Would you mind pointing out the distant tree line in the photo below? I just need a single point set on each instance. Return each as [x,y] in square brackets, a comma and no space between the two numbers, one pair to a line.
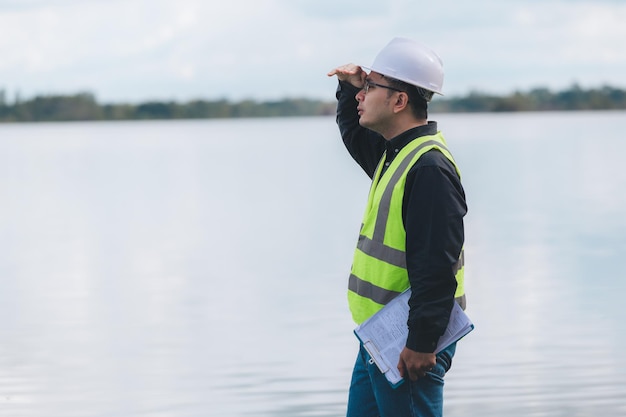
[84,106]
[539,99]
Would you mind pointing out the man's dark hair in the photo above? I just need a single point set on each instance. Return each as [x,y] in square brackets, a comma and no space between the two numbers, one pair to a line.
[417,100]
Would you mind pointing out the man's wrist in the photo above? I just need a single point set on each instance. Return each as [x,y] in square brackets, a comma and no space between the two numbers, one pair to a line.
[422,342]
[347,87]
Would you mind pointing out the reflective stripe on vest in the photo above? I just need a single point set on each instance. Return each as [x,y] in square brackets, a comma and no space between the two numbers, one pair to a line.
[379,269]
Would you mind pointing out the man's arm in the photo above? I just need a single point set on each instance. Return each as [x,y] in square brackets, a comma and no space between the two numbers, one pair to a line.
[365,146]
[433,214]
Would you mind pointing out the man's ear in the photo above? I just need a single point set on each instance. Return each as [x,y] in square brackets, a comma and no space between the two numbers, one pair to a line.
[402,101]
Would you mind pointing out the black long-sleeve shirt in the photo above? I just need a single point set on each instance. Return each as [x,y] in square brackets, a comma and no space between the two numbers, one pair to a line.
[432,212]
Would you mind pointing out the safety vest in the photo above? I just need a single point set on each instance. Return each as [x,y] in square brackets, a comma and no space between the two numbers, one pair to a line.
[379,270]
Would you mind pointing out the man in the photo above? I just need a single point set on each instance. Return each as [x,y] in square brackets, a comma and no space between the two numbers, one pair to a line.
[412,232]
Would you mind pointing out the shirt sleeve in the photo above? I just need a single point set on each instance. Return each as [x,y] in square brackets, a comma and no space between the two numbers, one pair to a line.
[433,210]
[365,146]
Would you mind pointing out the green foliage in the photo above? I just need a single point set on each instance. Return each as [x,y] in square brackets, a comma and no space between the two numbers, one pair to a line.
[80,106]
[83,106]
[539,99]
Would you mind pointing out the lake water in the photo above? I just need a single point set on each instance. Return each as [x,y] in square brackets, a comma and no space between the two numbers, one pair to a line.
[198,268]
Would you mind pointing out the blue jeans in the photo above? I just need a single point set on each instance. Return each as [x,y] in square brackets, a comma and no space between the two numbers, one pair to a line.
[371,395]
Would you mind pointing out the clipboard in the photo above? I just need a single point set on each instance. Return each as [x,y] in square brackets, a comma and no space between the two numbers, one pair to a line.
[384,334]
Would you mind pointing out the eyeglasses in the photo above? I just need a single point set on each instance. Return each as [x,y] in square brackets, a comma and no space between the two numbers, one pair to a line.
[368,84]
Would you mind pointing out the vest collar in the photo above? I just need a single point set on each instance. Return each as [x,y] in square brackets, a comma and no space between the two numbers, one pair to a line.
[394,145]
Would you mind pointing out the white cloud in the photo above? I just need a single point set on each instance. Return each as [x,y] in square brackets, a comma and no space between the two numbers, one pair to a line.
[136,49]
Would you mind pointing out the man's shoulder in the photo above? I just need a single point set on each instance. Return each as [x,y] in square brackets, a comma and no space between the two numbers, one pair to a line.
[434,161]
[434,158]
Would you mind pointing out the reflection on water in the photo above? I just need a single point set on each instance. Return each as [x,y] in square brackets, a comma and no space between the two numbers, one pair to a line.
[198,268]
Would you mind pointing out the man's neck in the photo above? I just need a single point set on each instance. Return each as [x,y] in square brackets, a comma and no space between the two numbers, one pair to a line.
[402,126]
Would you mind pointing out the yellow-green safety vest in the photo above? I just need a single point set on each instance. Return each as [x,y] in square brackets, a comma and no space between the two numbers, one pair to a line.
[379,270]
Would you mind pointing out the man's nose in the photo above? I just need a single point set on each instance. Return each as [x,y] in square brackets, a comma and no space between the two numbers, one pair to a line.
[360,95]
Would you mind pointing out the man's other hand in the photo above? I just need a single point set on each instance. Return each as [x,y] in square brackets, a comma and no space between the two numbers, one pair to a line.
[414,365]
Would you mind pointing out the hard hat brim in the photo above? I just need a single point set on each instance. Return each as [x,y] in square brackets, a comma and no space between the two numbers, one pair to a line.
[404,80]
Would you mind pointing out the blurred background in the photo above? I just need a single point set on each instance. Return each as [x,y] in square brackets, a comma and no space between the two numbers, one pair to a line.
[139,50]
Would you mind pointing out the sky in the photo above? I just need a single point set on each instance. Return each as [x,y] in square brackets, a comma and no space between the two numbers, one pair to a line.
[141,50]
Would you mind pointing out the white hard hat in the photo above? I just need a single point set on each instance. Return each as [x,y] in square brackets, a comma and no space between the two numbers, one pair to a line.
[410,61]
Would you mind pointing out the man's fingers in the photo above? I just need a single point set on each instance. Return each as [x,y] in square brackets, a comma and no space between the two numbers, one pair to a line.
[340,72]
[348,71]
[412,373]
[406,371]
